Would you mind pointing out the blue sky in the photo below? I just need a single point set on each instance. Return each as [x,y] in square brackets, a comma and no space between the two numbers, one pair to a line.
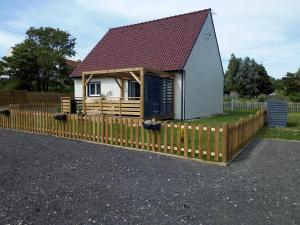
[268,30]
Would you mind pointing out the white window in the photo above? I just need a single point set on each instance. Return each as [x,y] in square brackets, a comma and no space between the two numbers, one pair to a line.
[94,88]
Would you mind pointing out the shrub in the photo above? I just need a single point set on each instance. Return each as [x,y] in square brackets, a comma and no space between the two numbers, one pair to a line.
[262,98]
[295,97]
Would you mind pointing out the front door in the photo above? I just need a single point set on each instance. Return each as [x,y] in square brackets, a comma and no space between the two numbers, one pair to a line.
[133,89]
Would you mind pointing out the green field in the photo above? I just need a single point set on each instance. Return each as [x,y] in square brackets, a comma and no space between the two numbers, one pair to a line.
[220,120]
[291,132]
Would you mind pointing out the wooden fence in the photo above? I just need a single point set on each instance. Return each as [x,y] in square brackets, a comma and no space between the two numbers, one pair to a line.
[24,97]
[218,144]
[235,105]
[48,107]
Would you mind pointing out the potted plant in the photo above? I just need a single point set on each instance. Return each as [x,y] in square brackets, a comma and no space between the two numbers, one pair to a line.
[151,125]
[60,116]
[5,112]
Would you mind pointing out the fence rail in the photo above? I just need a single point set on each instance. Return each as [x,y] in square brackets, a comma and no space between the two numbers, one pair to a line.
[292,107]
[24,97]
[113,106]
[51,108]
[218,144]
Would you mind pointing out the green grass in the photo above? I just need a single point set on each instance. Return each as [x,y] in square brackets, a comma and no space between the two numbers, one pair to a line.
[291,132]
[220,120]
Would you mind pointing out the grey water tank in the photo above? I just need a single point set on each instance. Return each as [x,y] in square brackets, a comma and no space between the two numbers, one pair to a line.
[277,113]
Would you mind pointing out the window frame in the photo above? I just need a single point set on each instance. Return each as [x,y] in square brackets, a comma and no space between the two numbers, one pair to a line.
[96,89]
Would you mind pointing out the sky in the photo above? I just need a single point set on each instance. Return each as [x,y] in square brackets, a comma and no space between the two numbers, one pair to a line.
[266,30]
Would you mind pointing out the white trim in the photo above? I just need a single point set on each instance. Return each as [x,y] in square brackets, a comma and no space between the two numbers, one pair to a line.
[96,89]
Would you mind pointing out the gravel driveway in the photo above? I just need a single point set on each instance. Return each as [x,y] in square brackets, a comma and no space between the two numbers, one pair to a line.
[49,180]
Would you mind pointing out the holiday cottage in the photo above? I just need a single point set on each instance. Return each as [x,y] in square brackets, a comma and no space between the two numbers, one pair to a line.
[165,68]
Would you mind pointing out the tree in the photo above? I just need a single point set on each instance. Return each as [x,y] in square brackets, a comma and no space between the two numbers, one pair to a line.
[230,74]
[290,84]
[40,60]
[298,74]
[246,78]
[2,67]
[263,80]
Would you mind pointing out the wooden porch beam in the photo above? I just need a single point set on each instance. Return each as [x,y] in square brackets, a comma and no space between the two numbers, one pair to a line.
[135,77]
[88,80]
[122,88]
[83,93]
[119,83]
[126,70]
[142,93]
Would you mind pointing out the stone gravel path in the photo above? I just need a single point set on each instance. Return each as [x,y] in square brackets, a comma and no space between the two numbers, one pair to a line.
[49,180]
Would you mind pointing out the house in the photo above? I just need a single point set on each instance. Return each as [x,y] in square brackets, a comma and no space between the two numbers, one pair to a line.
[167,68]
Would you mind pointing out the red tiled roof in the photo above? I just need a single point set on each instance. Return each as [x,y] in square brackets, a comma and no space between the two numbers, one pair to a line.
[162,44]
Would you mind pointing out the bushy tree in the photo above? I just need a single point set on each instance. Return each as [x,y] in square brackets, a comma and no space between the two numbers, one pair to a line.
[290,84]
[298,74]
[40,60]
[246,78]
[2,67]
[230,74]
[263,80]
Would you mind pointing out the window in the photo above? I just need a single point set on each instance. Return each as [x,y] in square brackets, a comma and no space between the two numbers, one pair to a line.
[133,89]
[94,89]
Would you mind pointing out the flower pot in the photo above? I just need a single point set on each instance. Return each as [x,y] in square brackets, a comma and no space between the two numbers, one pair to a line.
[61,117]
[5,112]
[152,126]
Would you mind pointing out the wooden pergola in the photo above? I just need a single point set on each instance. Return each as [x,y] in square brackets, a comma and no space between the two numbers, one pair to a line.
[121,75]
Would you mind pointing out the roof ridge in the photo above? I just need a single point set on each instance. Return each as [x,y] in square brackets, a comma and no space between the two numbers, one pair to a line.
[164,18]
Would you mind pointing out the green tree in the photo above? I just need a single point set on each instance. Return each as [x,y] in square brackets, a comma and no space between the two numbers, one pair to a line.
[246,78]
[230,74]
[2,67]
[263,80]
[39,62]
[290,84]
[298,74]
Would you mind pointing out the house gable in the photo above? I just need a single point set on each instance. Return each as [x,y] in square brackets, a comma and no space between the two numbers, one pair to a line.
[204,77]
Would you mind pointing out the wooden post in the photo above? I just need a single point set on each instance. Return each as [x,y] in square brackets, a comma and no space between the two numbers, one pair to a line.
[208,144]
[120,106]
[83,93]
[165,137]
[122,88]
[200,145]
[193,141]
[142,93]
[101,105]
[178,139]
[225,143]
[185,139]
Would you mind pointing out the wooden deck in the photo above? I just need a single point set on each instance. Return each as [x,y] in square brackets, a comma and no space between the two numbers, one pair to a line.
[113,106]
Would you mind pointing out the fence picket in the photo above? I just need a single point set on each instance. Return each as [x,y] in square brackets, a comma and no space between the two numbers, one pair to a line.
[225,142]
[178,138]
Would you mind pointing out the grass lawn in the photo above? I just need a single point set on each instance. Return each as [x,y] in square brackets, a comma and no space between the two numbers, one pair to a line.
[291,132]
[220,120]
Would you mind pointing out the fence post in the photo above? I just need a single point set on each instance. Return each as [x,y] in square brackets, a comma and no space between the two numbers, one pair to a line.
[225,143]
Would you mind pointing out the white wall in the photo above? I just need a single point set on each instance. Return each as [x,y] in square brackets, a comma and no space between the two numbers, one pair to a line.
[77,88]
[107,85]
[204,76]
[177,96]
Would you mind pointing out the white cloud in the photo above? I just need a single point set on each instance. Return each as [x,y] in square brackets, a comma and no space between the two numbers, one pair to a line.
[8,40]
[259,29]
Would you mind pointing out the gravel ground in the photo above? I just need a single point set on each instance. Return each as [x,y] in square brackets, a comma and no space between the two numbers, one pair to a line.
[49,180]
